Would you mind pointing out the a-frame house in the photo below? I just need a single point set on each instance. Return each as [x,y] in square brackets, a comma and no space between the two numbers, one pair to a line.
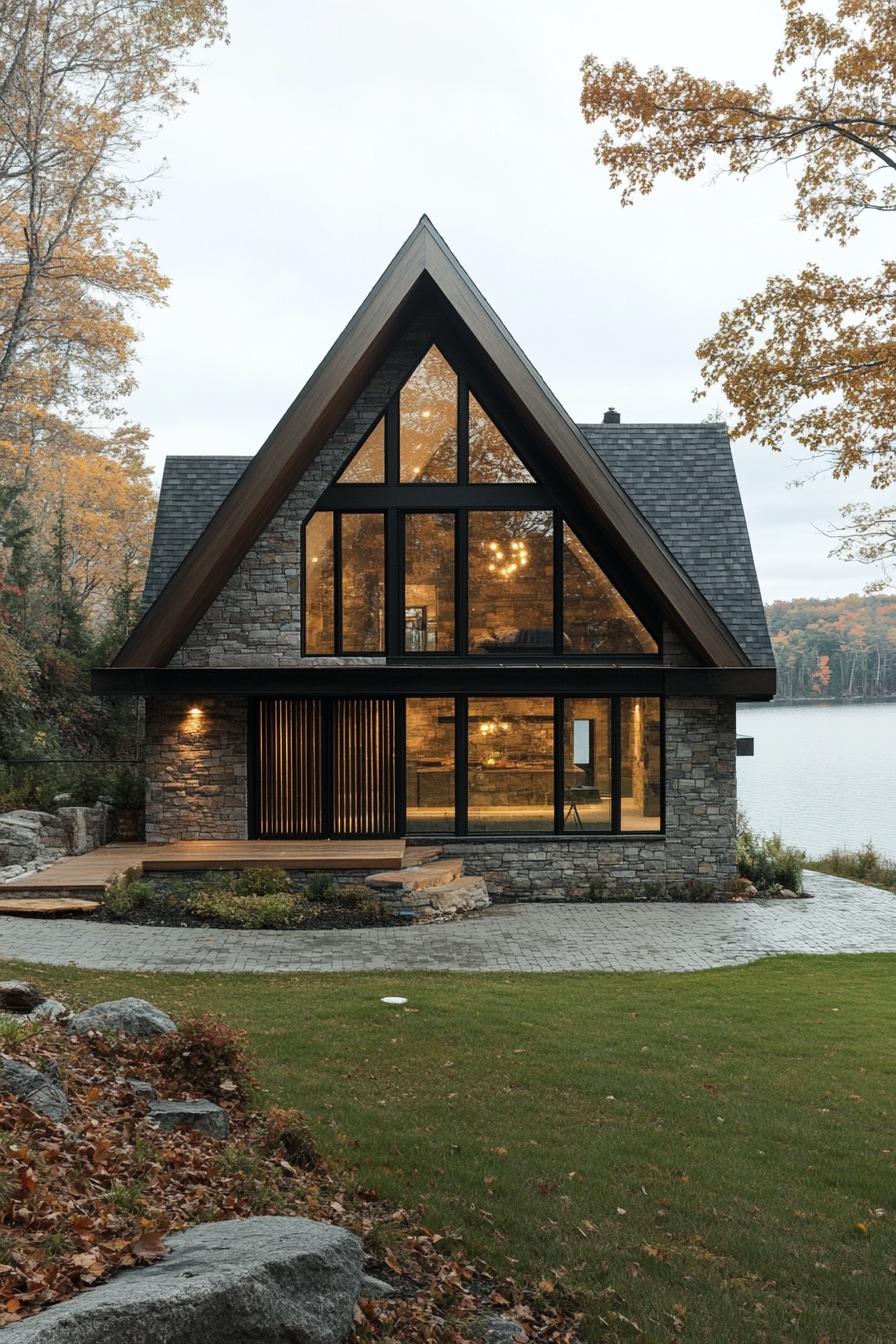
[433,606]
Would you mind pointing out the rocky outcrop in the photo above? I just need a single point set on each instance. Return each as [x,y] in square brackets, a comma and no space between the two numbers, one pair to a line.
[134,1017]
[257,1281]
[204,1116]
[31,839]
[19,996]
[33,1087]
[27,836]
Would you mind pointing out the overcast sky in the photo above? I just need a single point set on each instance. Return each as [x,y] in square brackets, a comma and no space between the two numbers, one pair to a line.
[324,131]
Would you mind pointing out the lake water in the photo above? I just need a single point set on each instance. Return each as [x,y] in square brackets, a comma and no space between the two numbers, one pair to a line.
[822,776]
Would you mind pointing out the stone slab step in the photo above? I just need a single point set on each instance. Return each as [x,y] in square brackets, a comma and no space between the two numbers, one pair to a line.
[464,893]
[417,854]
[46,906]
[434,874]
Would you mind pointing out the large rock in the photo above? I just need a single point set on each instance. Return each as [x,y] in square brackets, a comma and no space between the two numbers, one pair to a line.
[50,1010]
[19,996]
[204,1116]
[134,1017]
[33,1087]
[260,1281]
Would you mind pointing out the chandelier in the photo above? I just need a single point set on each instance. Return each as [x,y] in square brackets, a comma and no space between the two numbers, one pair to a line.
[505,565]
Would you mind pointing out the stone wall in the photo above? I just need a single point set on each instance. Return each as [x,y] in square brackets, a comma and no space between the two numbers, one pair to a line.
[196,769]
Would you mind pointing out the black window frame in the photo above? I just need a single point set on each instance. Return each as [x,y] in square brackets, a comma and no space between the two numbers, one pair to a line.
[396,498]
[461,781]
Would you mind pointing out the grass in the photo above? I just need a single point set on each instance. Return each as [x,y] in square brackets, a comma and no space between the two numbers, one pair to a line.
[705,1158]
[863,865]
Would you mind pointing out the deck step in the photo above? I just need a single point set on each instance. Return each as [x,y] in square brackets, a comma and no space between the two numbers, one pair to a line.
[434,874]
[464,893]
[46,906]
[417,854]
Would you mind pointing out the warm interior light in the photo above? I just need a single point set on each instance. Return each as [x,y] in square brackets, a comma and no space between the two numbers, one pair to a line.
[425,414]
[195,712]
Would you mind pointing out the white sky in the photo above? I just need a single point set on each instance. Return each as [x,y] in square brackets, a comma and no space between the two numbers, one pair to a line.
[326,129]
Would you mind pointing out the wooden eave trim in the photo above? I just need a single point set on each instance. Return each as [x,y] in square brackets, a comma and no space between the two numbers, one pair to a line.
[327,397]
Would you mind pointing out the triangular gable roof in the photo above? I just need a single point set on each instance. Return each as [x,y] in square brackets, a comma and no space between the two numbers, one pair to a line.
[423,263]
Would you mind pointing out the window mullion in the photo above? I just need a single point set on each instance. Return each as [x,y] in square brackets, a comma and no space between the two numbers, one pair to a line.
[461,739]
[461,584]
[559,762]
[337,584]
[616,765]
[558,584]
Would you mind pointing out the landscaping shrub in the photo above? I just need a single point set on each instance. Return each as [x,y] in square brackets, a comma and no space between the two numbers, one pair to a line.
[208,1057]
[287,1132]
[121,897]
[865,865]
[767,862]
[261,882]
[321,887]
[276,910]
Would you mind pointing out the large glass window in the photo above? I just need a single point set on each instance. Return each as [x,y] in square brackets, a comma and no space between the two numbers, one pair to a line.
[641,749]
[430,764]
[363,582]
[319,595]
[429,582]
[510,764]
[511,569]
[368,465]
[587,765]
[596,619]
[428,421]
[492,460]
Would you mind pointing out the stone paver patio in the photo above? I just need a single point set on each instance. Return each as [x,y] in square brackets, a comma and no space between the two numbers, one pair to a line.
[843,916]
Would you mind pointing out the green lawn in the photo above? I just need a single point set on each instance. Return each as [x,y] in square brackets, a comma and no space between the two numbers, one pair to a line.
[699,1157]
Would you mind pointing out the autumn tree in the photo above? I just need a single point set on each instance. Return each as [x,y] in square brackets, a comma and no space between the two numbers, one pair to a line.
[810,357]
[84,84]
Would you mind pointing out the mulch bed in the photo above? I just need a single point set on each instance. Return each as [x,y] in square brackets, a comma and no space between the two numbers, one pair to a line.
[77,1204]
[330,916]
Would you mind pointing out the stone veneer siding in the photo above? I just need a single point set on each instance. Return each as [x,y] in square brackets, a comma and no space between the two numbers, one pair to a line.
[196,769]
[196,772]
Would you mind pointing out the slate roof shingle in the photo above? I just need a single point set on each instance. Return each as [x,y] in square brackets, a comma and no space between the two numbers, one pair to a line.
[681,478]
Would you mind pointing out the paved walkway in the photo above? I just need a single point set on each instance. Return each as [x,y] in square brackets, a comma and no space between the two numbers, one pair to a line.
[842,917]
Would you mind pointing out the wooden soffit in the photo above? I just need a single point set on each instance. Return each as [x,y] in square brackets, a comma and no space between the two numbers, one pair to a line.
[424,266]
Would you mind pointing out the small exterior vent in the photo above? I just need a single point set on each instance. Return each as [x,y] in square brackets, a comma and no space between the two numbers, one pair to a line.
[745,746]
[612,417]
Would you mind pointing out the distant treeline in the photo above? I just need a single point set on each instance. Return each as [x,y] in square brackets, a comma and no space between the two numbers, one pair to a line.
[835,648]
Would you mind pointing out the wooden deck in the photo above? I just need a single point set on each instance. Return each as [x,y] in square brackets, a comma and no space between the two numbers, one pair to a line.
[90,872]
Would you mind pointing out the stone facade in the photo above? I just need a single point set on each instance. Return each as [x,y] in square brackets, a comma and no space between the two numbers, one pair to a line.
[196,769]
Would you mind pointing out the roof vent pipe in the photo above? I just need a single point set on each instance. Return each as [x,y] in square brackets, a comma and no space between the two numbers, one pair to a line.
[612,417]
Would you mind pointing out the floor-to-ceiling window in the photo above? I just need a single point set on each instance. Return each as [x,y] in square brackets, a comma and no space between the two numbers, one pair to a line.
[430,777]
[510,764]
[444,765]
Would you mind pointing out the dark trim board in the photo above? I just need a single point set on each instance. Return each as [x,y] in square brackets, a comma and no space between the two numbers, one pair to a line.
[435,678]
[423,271]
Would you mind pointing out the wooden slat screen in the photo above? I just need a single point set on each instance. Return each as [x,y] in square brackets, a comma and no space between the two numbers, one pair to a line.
[364,775]
[290,765]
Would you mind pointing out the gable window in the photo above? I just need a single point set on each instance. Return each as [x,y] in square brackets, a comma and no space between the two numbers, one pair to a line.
[428,422]
[429,582]
[511,581]
[596,618]
[436,539]
[492,460]
[344,583]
